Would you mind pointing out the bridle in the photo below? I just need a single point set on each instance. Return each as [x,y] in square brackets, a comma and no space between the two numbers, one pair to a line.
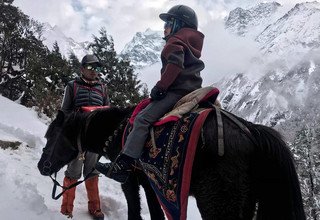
[81,156]
[81,135]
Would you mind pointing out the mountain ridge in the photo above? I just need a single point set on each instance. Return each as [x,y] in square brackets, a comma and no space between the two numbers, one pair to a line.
[66,44]
[144,49]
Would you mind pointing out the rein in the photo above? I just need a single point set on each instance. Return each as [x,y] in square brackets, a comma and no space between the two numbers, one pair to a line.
[56,183]
[82,154]
[80,157]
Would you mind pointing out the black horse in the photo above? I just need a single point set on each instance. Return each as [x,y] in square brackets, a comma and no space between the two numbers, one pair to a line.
[255,177]
[60,150]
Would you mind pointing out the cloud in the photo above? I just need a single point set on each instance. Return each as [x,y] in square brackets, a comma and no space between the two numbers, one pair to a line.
[224,53]
[80,19]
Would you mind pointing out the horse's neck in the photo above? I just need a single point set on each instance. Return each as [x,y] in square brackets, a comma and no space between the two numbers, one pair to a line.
[106,127]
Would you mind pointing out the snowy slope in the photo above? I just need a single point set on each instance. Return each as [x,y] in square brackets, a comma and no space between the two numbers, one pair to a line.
[296,32]
[277,87]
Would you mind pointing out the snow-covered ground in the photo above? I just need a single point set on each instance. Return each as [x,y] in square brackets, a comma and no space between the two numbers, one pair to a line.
[25,194]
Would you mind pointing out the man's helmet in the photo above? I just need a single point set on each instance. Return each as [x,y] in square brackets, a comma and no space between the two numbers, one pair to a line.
[89,59]
[182,13]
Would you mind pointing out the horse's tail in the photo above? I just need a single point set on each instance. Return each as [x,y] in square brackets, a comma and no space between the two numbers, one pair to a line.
[277,183]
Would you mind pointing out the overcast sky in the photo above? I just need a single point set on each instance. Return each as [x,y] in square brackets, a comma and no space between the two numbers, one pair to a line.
[80,19]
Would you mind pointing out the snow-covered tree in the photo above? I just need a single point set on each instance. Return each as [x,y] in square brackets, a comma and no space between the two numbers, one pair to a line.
[118,74]
[307,158]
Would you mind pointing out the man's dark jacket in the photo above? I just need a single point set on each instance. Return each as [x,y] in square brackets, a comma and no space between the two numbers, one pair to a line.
[79,93]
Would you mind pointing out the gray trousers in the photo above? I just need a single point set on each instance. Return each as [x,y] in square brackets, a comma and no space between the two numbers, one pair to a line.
[74,168]
[143,121]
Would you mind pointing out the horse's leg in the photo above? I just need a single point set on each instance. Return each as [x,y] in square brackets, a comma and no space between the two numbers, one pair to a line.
[131,192]
[156,213]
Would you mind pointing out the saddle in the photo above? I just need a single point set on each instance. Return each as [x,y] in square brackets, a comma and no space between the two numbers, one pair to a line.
[206,96]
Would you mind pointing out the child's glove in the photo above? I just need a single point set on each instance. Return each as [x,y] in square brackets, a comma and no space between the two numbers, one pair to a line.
[157,93]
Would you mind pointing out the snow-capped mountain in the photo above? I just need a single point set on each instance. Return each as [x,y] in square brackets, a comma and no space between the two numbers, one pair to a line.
[66,44]
[253,20]
[144,49]
[297,31]
[277,99]
[288,65]
[289,84]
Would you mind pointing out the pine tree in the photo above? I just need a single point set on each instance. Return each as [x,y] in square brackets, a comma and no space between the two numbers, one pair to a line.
[119,75]
[49,91]
[20,52]
[74,64]
[30,73]
[12,27]
[36,76]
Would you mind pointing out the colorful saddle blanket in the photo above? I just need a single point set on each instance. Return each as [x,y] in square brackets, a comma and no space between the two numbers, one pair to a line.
[169,151]
[168,158]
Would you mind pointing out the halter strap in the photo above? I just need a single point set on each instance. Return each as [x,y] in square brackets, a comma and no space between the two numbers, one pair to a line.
[80,157]
[56,183]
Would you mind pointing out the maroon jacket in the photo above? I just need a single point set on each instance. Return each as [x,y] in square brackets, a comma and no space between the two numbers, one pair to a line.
[181,65]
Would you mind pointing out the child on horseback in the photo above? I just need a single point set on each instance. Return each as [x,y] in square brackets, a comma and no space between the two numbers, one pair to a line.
[180,75]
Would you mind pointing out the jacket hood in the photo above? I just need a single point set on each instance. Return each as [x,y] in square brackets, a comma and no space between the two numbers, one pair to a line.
[191,37]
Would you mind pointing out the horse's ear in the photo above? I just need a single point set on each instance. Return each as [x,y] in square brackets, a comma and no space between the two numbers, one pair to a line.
[57,121]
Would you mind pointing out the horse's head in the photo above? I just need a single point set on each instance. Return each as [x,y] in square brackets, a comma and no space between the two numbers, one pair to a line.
[61,144]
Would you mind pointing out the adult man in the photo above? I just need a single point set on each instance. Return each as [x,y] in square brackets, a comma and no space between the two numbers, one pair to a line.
[86,90]
[180,75]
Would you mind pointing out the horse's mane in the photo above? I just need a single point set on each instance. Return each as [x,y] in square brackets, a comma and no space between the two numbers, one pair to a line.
[113,114]
[102,124]
[105,121]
